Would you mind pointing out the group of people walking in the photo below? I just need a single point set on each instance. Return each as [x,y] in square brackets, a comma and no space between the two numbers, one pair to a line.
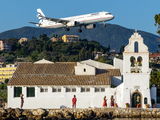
[105,101]
[74,100]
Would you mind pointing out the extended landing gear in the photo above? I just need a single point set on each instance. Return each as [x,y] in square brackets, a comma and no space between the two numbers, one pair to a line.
[104,25]
[79,30]
[67,29]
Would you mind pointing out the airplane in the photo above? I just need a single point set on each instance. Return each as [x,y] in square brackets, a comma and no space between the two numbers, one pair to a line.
[87,20]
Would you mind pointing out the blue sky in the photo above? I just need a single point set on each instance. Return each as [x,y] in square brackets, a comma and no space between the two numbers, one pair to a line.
[132,14]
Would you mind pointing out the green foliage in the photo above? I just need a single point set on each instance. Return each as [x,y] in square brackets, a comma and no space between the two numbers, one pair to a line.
[113,86]
[6,81]
[153,101]
[105,59]
[36,49]
[3,95]
[3,87]
[121,49]
[157,19]
[155,78]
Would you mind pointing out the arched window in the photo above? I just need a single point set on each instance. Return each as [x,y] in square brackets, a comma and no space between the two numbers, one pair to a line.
[136,47]
[84,70]
[139,60]
[132,60]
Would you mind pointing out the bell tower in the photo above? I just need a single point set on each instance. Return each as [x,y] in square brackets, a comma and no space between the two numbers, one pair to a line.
[136,55]
[136,72]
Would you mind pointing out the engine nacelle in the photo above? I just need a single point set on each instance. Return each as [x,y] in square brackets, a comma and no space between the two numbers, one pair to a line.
[91,26]
[71,23]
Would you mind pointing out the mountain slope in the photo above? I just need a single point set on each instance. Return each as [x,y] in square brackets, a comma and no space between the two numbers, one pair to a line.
[113,35]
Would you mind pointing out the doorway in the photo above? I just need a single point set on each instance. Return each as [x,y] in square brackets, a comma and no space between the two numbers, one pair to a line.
[136,99]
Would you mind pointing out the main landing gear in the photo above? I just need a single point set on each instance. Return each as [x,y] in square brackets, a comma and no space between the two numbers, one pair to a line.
[80,30]
[67,29]
[104,25]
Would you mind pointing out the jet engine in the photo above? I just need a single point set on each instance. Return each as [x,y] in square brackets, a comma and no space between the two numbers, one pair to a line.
[71,23]
[91,26]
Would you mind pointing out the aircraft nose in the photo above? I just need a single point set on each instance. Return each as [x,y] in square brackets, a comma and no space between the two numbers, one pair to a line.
[112,17]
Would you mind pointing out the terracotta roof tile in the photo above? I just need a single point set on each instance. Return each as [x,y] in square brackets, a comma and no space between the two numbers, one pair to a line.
[59,74]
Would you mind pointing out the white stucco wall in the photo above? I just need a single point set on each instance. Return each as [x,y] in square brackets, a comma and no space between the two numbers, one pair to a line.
[118,64]
[116,80]
[98,64]
[89,70]
[52,100]
[126,96]
[131,80]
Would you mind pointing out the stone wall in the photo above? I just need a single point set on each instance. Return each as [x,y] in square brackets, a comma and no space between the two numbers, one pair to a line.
[71,114]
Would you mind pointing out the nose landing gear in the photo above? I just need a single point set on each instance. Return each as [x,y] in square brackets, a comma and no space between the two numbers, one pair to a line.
[104,25]
[67,29]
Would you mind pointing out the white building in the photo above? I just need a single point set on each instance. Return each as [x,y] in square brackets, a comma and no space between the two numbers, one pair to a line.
[50,85]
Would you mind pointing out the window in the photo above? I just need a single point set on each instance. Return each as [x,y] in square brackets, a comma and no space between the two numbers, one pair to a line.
[99,89]
[56,89]
[43,89]
[158,95]
[84,70]
[83,89]
[17,91]
[70,89]
[30,92]
[73,89]
[102,89]
[136,47]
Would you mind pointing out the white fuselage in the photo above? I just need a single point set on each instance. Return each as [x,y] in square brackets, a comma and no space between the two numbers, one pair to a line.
[81,19]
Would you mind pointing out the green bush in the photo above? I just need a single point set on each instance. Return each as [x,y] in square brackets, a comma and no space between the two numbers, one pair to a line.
[153,101]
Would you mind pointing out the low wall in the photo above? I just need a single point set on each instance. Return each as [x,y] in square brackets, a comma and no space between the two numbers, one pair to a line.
[71,114]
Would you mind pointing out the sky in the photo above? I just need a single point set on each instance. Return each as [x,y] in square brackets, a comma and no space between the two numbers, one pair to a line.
[132,14]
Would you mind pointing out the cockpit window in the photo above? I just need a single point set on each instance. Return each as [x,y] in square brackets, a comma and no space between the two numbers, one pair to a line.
[107,13]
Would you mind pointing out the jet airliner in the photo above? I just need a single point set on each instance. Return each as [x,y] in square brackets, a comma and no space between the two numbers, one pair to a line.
[87,20]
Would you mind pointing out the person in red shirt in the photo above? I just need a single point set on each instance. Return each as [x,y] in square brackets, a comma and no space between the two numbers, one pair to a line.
[74,100]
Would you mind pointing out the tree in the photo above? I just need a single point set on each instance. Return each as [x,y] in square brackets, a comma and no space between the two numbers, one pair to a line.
[81,54]
[121,49]
[34,56]
[6,81]
[157,22]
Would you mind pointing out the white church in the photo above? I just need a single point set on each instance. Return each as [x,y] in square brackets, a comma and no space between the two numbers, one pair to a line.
[50,85]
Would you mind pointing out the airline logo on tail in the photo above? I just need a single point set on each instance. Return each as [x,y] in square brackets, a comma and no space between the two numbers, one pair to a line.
[40,18]
[40,14]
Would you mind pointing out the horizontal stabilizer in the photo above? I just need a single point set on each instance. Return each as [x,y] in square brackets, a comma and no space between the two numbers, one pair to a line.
[35,23]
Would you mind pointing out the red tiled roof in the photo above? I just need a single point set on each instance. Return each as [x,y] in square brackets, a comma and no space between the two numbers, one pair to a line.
[154,55]
[60,73]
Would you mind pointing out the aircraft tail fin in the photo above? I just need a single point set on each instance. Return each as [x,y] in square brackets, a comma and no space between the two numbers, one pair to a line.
[40,13]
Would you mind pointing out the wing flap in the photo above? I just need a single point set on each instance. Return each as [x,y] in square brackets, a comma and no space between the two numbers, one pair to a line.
[56,20]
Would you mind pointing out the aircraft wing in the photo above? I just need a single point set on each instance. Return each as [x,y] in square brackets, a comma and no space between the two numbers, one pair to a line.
[56,20]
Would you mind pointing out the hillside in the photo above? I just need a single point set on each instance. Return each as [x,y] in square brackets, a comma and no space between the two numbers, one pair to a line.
[113,35]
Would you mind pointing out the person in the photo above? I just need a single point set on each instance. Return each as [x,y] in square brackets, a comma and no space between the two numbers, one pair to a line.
[104,102]
[22,101]
[138,102]
[74,100]
[112,101]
